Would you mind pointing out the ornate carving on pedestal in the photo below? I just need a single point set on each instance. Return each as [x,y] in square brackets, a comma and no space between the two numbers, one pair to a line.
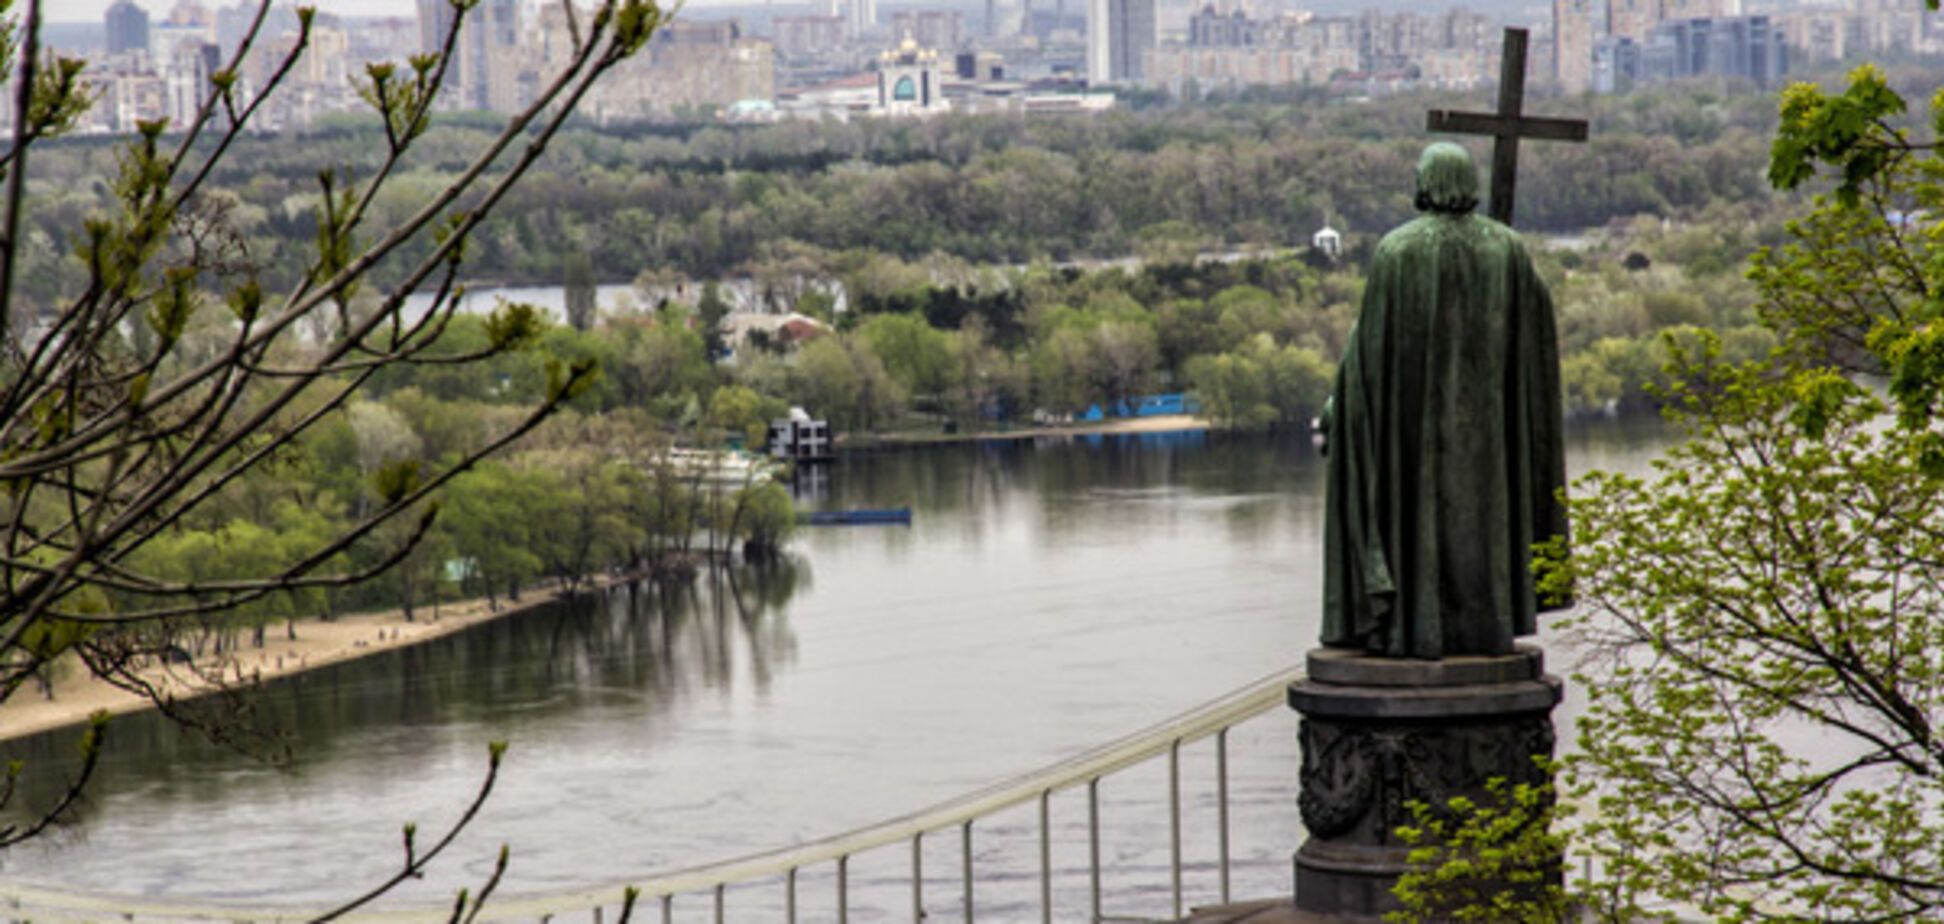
[1380,733]
[1349,770]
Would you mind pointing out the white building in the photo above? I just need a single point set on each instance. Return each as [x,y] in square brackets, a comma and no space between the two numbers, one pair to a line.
[1119,34]
[1328,242]
[186,68]
[910,81]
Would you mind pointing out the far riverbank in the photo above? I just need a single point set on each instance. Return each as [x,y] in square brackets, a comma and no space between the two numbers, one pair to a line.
[1164,423]
[78,694]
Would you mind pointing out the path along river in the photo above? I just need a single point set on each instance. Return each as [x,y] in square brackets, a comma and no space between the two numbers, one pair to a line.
[1048,596]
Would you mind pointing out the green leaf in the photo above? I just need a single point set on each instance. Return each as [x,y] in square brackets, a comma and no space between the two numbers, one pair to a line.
[514,325]
[395,480]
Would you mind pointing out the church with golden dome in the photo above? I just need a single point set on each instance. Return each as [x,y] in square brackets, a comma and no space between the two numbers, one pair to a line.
[910,81]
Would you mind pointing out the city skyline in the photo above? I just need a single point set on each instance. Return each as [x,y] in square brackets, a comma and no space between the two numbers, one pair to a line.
[92,11]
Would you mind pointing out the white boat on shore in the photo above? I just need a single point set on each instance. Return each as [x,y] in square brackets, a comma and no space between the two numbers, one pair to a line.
[721,466]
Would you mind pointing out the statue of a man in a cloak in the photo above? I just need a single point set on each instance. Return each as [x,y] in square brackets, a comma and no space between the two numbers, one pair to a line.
[1446,464]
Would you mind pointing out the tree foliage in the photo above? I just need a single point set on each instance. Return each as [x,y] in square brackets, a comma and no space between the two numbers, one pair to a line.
[1484,862]
[1765,613]
[177,366]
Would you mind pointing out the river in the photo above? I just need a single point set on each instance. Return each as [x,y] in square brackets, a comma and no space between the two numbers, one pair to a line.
[1048,596]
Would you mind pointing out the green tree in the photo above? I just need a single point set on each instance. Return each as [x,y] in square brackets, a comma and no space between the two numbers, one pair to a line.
[583,516]
[740,409]
[841,378]
[1261,385]
[762,517]
[1186,328]
[915,353]
[1125,354]
[167,371]
[577,278]
[488,517]
[664,366]
[1767,610]
[710,309]
[1063,370]
[1484,862]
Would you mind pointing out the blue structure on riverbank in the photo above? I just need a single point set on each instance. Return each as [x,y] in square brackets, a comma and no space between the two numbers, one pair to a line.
[1144,406]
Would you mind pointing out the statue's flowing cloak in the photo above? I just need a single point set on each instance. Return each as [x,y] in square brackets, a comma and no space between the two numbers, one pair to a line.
[1445,457]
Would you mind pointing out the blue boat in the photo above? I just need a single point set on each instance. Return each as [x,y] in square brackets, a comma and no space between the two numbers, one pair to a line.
[888,516]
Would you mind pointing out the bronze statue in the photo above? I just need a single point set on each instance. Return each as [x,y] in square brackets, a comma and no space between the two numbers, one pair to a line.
[1446,463]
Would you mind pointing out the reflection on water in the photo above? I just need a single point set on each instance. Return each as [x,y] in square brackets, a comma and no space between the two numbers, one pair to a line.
[1049,595]
[646,643]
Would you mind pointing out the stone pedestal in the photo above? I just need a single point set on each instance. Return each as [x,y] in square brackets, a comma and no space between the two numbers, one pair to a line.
[1380,733]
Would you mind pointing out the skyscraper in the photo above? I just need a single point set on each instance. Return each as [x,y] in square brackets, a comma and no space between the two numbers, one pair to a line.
[1731,46]
[128,28]
[435,20]
[863,16]
[1573,45]
[1118,33]
[942,30]
[1632,19]
[482,74]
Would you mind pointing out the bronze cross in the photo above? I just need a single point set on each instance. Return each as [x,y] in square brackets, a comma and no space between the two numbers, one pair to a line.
[1508,125]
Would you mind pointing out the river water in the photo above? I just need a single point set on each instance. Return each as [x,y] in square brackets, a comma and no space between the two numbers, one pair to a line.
[1048,596]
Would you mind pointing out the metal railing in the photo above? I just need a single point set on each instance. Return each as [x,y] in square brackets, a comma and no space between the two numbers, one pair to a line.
[1211,719]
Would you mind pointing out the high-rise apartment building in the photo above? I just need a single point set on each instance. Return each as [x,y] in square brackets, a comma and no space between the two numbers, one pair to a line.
[185,70]
[1573,45]
[1692,9]
[936,29]
[1119,34]
[485,71]
[1633,19]
[1749,47]
[690,66]
[863,16]
[808,37]
[128,28]
[435,20]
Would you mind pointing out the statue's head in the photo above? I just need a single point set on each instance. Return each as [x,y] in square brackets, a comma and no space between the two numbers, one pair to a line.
[1447,182]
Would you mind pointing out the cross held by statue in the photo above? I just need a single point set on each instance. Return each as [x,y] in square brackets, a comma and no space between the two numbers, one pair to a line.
[1508,124]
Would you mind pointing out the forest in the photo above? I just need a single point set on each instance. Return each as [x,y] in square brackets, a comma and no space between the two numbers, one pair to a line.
[708,200]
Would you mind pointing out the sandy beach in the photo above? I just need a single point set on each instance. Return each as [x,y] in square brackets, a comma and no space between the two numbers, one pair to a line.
[1164,423]
[78,694]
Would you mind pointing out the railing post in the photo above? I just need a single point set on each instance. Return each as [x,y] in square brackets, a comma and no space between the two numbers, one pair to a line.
[843,888]
[965,842]
[1046,858]
[918,878]
[789,895]
[668,908]
[718,902]
[597,914]
[1174,820]
[1093,844]
[1222,802]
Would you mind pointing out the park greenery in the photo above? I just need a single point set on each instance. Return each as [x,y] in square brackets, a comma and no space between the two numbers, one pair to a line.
[1761,617]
